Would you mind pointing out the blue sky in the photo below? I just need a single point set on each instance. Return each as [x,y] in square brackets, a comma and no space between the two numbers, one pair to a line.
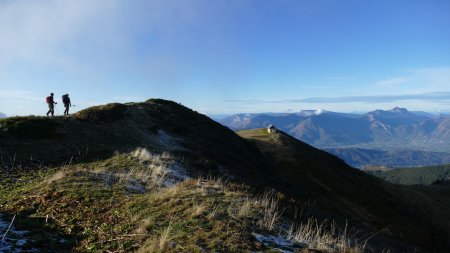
[227,56]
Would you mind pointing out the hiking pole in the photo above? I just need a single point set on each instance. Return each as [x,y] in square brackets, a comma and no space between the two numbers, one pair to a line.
[57,111]
[10,224]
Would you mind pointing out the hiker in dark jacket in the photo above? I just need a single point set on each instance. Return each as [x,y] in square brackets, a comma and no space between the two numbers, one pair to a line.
[51,104]
[67,104]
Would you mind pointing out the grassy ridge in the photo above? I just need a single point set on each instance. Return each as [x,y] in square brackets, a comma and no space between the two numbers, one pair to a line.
[97,133]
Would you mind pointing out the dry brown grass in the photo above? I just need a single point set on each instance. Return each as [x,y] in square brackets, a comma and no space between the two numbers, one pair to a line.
[325,237]
[208,211]
[158,244]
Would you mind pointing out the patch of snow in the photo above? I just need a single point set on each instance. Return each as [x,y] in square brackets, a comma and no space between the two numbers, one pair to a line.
[385,127]
[165,165]
[272,240]
[175,173]
[399,110]
[14,240]
[21,242]
[242,118]
[278,244]
[319,111]
[378,124]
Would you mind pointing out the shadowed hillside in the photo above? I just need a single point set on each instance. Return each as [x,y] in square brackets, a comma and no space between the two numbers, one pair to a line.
[413,176]
[349,192]
[133,158]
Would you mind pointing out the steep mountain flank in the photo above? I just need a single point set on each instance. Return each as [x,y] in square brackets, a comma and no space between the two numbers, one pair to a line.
[351,193]
[138,163]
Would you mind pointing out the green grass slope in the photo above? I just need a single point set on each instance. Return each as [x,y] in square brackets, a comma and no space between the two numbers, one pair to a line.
[113,178]
[416,176]
[125,204]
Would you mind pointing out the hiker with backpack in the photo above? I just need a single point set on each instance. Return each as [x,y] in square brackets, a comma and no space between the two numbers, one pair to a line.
[67,104]
[51,105]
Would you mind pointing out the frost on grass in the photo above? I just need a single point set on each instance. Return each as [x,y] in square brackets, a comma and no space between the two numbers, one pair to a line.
[311,235]
[163,169]
[278,234]
[278,244]
[14,240]
[154,171]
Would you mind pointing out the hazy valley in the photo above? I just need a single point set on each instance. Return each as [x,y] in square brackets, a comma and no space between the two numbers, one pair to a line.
[360,157]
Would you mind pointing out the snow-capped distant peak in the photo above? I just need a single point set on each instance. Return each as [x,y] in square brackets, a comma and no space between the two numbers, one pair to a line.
[306,113]
[319,111]
[399,110]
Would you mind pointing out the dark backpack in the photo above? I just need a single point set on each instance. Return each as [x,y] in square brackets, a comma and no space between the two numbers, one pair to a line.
[48,99]
[65,99]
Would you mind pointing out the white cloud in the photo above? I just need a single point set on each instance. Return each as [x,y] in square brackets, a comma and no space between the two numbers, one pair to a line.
[425,80]
[14,102]
[20,96]
[392,81]
[90,39]
[418,89]
[432,78]
[437,97]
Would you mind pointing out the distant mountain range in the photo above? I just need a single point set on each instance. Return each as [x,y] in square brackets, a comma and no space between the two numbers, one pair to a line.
[393,129]
[2,115]
[363,139]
